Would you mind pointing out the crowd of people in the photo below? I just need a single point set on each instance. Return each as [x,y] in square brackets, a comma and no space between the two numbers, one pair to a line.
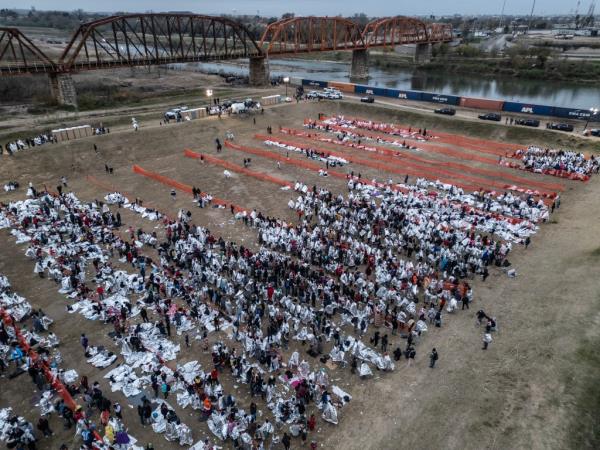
[22,144]
[557,162]
[355,274]
[380,263]
[34,350]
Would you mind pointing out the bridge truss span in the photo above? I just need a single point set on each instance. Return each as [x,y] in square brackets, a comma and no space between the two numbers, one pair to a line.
[18,55]
[150,39]
[311,34]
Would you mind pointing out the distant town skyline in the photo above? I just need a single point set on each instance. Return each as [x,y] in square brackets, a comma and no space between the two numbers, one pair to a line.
[312,7]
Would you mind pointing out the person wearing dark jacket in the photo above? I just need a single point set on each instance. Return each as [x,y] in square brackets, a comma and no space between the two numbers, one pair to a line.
[44,426]
[433,357]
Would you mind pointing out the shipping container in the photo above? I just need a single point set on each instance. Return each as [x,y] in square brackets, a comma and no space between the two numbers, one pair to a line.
[481,103]
[526,108]
[404,95]
[570,113]
[440,98]
[370,90]
[343,87]
[314,83]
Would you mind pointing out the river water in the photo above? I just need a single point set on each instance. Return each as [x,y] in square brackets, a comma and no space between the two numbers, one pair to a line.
[563,94]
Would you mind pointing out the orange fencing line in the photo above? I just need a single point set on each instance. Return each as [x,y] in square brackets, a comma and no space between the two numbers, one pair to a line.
[404,155]
[475,143]
[421,170]
[182,187]
[237,168]
[453,153]
[575,176]
[56,383]
[315,167]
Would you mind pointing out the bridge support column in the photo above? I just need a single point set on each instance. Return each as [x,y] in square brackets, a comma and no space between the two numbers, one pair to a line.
[62,89]
[259,71]
[422,53]
[360,64]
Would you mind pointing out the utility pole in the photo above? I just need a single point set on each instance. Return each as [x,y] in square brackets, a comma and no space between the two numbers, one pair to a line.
[530,17]
[502,15]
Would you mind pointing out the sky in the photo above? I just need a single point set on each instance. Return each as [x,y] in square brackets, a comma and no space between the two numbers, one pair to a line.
[311,7]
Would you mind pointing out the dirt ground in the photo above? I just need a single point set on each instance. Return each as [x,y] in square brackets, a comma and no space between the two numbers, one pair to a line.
[524,392]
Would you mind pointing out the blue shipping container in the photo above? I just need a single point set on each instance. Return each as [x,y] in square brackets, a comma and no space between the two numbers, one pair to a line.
[405,95]
[440,98]
[360,89]
[525,108]
[313,83]
[570,113]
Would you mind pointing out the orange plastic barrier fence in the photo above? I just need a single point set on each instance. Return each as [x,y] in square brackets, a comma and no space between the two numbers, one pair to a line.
[398,154]
[480,145]
[483,145]
[418,169]
[552,172]
[180,186]
[316,167]
[237,168]
[56,383]
[453,153]
[333,173]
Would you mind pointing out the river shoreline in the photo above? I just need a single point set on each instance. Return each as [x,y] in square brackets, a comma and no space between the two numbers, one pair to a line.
[495,86]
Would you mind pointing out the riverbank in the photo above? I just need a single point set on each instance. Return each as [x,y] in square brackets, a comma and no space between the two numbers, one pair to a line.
[553,69]
[581,72]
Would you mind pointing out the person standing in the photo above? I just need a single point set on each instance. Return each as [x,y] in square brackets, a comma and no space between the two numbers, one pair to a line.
[44,426]
[286,441]
[84,342]
[144,314]
[410,355]
[384,343]
[140,410]
[155,385]
[118,413]
[487,339]
[433,357]
[465,302]
[165,388]
[485,273]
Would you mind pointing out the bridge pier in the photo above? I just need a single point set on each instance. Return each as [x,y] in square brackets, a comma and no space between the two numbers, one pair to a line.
[259,71]
[422,53]
[62,89]
[360,64]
